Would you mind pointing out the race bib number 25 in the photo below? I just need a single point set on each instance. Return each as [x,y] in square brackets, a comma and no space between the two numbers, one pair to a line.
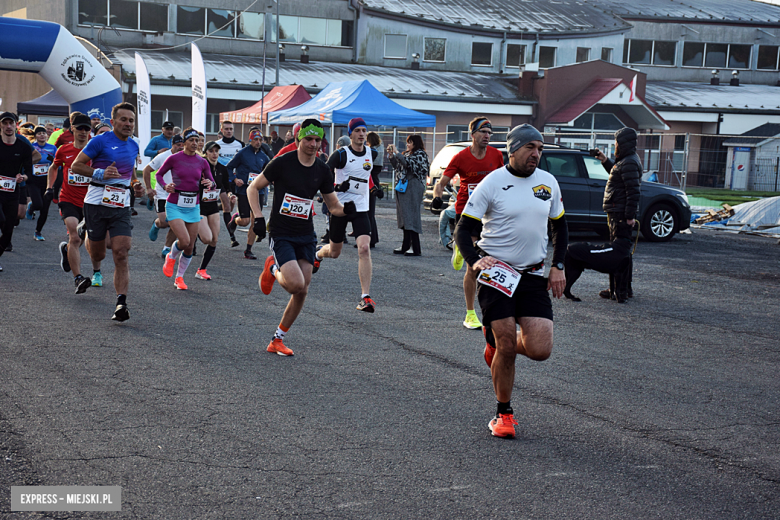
[500,277]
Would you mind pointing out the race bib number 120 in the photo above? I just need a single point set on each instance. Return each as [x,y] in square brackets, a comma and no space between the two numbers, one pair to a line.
[500,277]
[296,207]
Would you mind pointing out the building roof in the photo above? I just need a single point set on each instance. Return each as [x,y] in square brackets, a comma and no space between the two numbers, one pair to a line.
[756,137]
[517,16]
[582,102]
[245,72]
[694,11]
[692,97]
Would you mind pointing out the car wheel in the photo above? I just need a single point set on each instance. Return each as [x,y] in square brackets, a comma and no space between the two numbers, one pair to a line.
[660,223]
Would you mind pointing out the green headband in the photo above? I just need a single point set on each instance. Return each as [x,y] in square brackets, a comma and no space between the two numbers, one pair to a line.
[311,130]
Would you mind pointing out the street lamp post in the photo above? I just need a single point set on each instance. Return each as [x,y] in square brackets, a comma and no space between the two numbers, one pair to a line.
[277,43]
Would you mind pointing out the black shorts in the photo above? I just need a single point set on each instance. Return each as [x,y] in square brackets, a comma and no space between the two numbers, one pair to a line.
[68,209]
[479,228]
[161,205]
[288,249]
[338,226]
[100,219]
[209,208]
[530,300]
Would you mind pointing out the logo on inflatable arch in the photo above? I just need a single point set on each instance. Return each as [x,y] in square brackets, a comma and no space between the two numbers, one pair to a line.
[77,70]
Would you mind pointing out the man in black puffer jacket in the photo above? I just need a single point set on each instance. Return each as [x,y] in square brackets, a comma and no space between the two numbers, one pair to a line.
[621,202]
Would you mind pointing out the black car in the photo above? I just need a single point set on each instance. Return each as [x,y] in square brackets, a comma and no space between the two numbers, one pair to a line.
[663,210]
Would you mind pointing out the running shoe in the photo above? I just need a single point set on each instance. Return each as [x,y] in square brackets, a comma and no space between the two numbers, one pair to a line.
[366,304]
[133,212]
[165,252]
[490,350]
[121,313]
[457,258]
[234,242]
[37,236]
[97,279]
[266,278]
[471,321]
[180,285]
[153,232]
[168,266]
[1,268]
[150,204]
[82,284]
[9,247]
[503,425]
[29,214]
[276,346]
[201,274]
[316,265]
[64,257]
[249,255]
[81,231]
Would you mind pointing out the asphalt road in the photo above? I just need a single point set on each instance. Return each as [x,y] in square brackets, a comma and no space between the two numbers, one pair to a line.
[665,407]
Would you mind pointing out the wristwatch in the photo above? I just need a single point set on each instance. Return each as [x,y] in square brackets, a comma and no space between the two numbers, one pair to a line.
[558,266]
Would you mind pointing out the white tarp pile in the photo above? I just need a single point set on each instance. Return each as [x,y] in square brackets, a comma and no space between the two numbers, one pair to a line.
[760,216]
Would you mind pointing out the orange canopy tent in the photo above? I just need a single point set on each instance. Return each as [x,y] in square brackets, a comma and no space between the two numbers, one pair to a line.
[279,98]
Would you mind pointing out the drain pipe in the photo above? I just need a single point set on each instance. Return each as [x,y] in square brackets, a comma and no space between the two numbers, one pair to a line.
[354,31]
[536,43]
[501,59]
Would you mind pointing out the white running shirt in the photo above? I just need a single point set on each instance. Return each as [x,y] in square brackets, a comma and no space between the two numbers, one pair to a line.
[358,171]
[156,163]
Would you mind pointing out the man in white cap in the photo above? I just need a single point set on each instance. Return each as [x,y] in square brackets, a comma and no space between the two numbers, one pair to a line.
[514,204]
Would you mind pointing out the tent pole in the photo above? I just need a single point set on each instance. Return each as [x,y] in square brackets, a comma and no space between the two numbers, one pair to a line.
[433,151]
[332,133]
[392,179]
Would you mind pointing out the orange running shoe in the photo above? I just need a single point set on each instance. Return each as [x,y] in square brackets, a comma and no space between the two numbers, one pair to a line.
[202,274]
[490,350]
[267,279]
[503,425]
[276,346]
[168,266]
[180,285]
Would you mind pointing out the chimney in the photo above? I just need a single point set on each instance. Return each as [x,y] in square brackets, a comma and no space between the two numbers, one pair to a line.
[416,61]
[281,52]
[526,83]
[734,78]
[715,80]
[304,54]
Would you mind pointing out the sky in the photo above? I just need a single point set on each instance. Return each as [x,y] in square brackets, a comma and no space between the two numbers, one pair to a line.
[775,2]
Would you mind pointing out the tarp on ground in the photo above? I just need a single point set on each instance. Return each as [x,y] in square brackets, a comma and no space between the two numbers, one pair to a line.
[49,104]
[759,216]
[340,102]
[279,98]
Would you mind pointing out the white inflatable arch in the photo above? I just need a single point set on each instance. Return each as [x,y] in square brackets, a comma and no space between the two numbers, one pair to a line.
[52,51]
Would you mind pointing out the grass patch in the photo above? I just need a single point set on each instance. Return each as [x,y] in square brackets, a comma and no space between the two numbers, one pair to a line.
[731,197]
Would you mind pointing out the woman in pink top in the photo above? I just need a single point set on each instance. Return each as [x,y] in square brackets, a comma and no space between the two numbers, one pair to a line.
[188,171]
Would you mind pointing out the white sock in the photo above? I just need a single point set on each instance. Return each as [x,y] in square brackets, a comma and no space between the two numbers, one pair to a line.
[175,251]
[184,263]
[279,333]
[365,296]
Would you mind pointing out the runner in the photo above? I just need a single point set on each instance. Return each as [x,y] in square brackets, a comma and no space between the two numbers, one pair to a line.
[209,226]
[352,166]
[244,168]
[472,165]
[229,146]
[297,177]
[154,191]
[188,172]
[74,189]
[36,186]
[515,204]
[106,205]
[16,166]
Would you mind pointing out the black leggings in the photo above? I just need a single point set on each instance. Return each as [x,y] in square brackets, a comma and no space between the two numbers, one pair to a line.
[39,203]
[8,218]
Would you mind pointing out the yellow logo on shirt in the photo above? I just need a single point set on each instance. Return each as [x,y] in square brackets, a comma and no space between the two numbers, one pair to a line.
[542,192]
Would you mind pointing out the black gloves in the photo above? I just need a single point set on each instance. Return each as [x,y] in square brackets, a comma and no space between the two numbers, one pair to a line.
[48,194]
[349,207]
[437,203]
[377,192]
[259,228]
[344,186]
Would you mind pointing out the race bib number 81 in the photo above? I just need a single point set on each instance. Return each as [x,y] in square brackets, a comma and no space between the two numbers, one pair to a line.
[7,184]
[296,207]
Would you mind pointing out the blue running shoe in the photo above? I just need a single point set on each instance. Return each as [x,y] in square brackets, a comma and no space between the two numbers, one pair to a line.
[165,252]
[38,237]
[150,204]
[153,232]
[97,279]
[29,215]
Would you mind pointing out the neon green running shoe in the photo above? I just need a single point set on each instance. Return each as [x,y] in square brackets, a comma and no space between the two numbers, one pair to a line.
[457,258]
[471,321]
[97,279]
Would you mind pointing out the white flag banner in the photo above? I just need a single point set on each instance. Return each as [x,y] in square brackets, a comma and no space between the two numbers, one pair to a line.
[144,107]
[198,91]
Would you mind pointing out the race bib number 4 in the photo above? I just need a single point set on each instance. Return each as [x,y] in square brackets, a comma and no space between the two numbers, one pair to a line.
[210,195]
[357,185]
[77,180]
[7,184]
[114,197]
[500,277]
[296,207]
[40,170]
[187,199]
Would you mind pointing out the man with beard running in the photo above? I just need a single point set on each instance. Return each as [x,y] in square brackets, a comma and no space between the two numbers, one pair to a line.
[514,206]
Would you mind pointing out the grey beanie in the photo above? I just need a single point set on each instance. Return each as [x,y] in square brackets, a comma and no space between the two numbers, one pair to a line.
[520,136]
[344,140]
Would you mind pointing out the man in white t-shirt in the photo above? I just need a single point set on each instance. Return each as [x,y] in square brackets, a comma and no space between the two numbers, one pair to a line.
[514,205]
[229,146]
[159,195]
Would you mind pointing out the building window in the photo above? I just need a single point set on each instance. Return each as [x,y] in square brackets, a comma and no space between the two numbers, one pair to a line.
[288,29]
[251,26]
[649,52]
[395,46]
[546,57]
[93,12]
[154,17]
[717,55]
[481,53]
[693,54]
[767,57]
[212,123]
[583,54]
[434,49]
[515,55]
[334,33]
[313,30]
[124,14]
[221,23]
[739,56]
[177,118]
[606,54]
[190,20]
